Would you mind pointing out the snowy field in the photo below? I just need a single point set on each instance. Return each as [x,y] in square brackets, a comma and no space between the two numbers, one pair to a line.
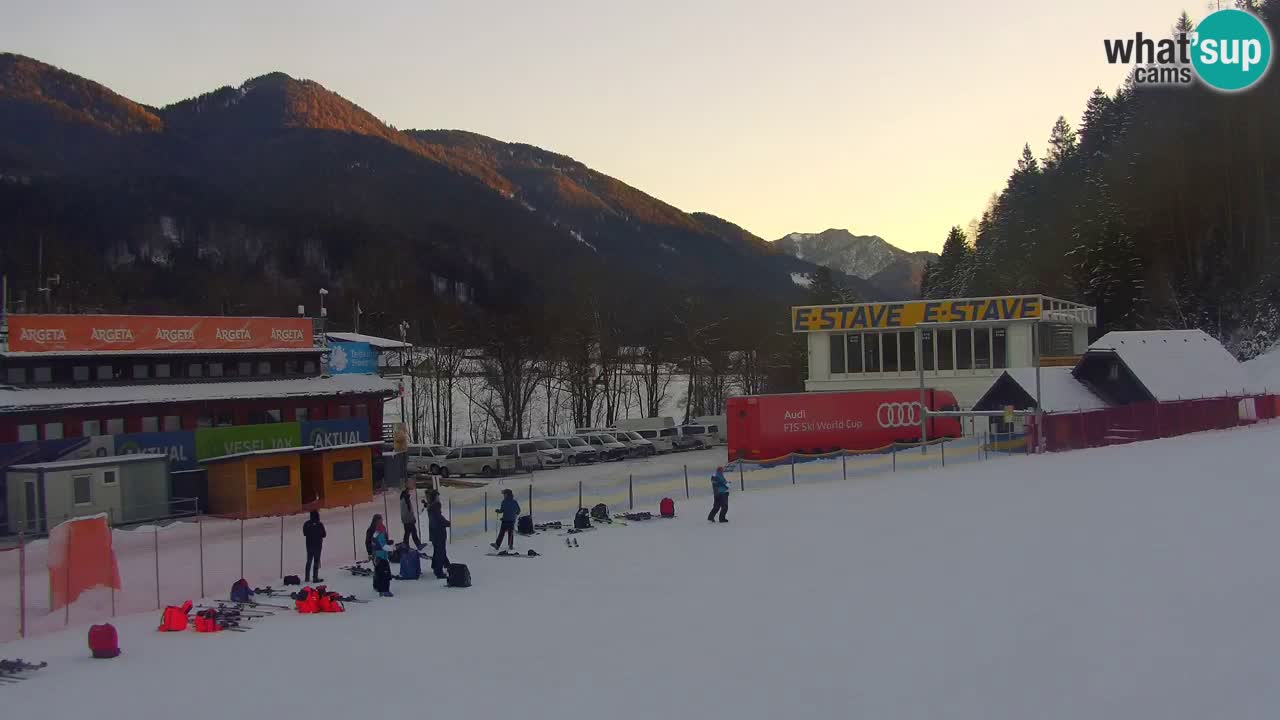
[1128,582]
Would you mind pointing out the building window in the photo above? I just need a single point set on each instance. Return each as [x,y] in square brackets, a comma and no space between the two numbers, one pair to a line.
[291,366]
[964,349]
[871,353]
[348,470]
[837,354]
[927,351]
[344,412]
[82,488]
[275,416]
[16,375]
[264,367]
[53,431]
[172,423]
[223,418]
[162,370]
[105,372]
[907,351]
[204,421]
[300,414]
[142,372]
[362,411]
[80,373]
[889,351]
[274,477]
[151,424]
[1113,371]
[853,353]
[244,368]
[91,428]
[28,433]
[309,367]
[982,348]
[195,370]
[999,349]
[43,374]
[109,477]
[115,426]
[946,350]
[215,369]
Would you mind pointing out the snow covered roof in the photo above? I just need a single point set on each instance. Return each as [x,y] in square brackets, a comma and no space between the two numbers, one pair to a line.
[1176,364]
[377,342]
[92,462]
[1060,391]
[1263,371]
[255,453]
[16,400]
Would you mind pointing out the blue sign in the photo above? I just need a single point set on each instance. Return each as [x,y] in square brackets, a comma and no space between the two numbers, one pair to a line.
[328,433]
[179,446]
[352,359]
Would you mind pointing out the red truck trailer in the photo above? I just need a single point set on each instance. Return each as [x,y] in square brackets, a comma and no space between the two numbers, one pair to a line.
[762,427]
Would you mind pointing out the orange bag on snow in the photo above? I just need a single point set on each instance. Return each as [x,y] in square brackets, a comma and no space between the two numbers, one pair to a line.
[207,621]
[307,601]
[331,603]
[174,618]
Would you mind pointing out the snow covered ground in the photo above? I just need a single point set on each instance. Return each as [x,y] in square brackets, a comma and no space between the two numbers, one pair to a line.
[1126,582]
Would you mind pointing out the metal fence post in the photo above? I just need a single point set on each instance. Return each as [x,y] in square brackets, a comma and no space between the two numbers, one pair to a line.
[686,483]
[793,469]
[200,530]
[22,584]
[451,518]
[281,546]
[631,491]
[844,466]
[944,452]
[894,452]
[354,556]
[742,477]
[155,534]
[530,501]
[66,589]
[241,544]
[579,493]
[486,511]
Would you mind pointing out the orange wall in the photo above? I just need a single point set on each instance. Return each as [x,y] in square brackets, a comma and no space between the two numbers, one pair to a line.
[349,492]
[233,487]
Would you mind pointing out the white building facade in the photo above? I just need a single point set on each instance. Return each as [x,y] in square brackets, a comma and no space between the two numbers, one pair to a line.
[965,344]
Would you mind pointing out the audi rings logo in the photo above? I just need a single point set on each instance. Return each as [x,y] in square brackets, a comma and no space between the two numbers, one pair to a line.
[898,415]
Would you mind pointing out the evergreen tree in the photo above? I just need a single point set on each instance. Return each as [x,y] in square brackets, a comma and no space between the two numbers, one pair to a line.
[949,276]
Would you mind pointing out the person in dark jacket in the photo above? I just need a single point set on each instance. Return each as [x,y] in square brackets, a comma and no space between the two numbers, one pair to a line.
[313,531]
[510,511]
[438,534]
[720,488]
[377,543]
[409,518]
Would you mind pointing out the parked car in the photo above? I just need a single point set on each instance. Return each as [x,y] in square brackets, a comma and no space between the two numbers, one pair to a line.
[699,436]
[663,439]
[427,458]
[639,445]
[575,449]
[607,446]
[486,460]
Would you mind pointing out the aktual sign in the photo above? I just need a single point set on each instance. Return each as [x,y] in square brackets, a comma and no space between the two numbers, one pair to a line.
[888,316]
[180,446]
[331,433]
[352,358]
[237,439]
[62,333]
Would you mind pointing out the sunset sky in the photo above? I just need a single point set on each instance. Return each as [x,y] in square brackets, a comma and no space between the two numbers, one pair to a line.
[892,118]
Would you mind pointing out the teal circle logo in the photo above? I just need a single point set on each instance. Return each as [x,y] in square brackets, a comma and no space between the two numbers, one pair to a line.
[1231,50]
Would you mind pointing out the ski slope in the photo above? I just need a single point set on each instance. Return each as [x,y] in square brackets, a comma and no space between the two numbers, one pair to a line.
[1128,582]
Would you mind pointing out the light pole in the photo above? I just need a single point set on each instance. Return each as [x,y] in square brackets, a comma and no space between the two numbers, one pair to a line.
[404,333]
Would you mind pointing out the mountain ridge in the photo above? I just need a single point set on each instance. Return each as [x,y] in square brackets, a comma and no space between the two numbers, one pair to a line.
[893,271]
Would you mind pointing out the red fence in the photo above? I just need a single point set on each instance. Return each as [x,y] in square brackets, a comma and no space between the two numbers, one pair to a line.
[1149,421]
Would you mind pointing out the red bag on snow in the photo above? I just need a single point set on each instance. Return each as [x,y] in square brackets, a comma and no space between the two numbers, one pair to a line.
[174,618]
[207,621]
[307,601]
[667,508]
[331,603]
[103,641]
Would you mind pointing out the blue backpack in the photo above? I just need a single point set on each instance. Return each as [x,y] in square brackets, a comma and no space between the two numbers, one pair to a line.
[240,592]
[410,563]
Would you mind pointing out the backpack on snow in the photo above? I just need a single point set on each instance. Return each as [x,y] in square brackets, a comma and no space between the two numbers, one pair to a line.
[459,575]
[174,618]
[524,525]
[104,641]
[582,520]
[410,563]
[292,580]
[240,592]
[331,602]
[207,621]
[600,512]
[667,508]
[307,601]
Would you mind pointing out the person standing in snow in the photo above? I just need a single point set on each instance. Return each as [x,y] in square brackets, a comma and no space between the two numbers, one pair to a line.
[408,517]
[720,488]
[438,534]
[313,531]
[510,511]
[377,543]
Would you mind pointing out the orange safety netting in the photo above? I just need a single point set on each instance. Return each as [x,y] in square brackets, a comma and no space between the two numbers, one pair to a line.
[80,558]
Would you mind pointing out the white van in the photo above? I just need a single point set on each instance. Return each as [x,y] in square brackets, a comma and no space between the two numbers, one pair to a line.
[486,460]
[607,446]
[664,439]
[530,454]
[717,426]
[427,458]
[640,446]
[576,450]
[702,436]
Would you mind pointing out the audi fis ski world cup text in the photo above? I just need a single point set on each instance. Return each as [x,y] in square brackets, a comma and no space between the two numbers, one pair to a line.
[797,422]
[1230,50]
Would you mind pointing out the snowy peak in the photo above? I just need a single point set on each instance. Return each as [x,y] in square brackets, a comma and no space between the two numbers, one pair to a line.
[895,271]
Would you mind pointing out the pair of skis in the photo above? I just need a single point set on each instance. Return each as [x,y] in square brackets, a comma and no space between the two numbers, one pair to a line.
[13,671]
[511,553]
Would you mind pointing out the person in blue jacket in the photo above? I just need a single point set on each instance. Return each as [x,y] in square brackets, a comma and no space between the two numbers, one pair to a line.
[377,544]
[510,511]
[720,488]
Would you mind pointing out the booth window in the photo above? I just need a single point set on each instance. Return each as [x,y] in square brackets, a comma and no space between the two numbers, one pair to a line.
[889,351]
[348,470]
[926,349]
[907,351]
[999,349]
[82,487]
[854,353]
[964,349]
[109,477]
[871,353]
[274,477]
[80,373]
[946,350]
[982,348]
[151,424]
[837,354]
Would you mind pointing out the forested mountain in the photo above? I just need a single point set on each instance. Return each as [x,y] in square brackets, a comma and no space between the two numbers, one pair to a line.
[1162,209]
[892,272]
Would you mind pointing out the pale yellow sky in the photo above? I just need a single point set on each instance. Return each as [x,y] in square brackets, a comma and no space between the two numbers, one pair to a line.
[897,119]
